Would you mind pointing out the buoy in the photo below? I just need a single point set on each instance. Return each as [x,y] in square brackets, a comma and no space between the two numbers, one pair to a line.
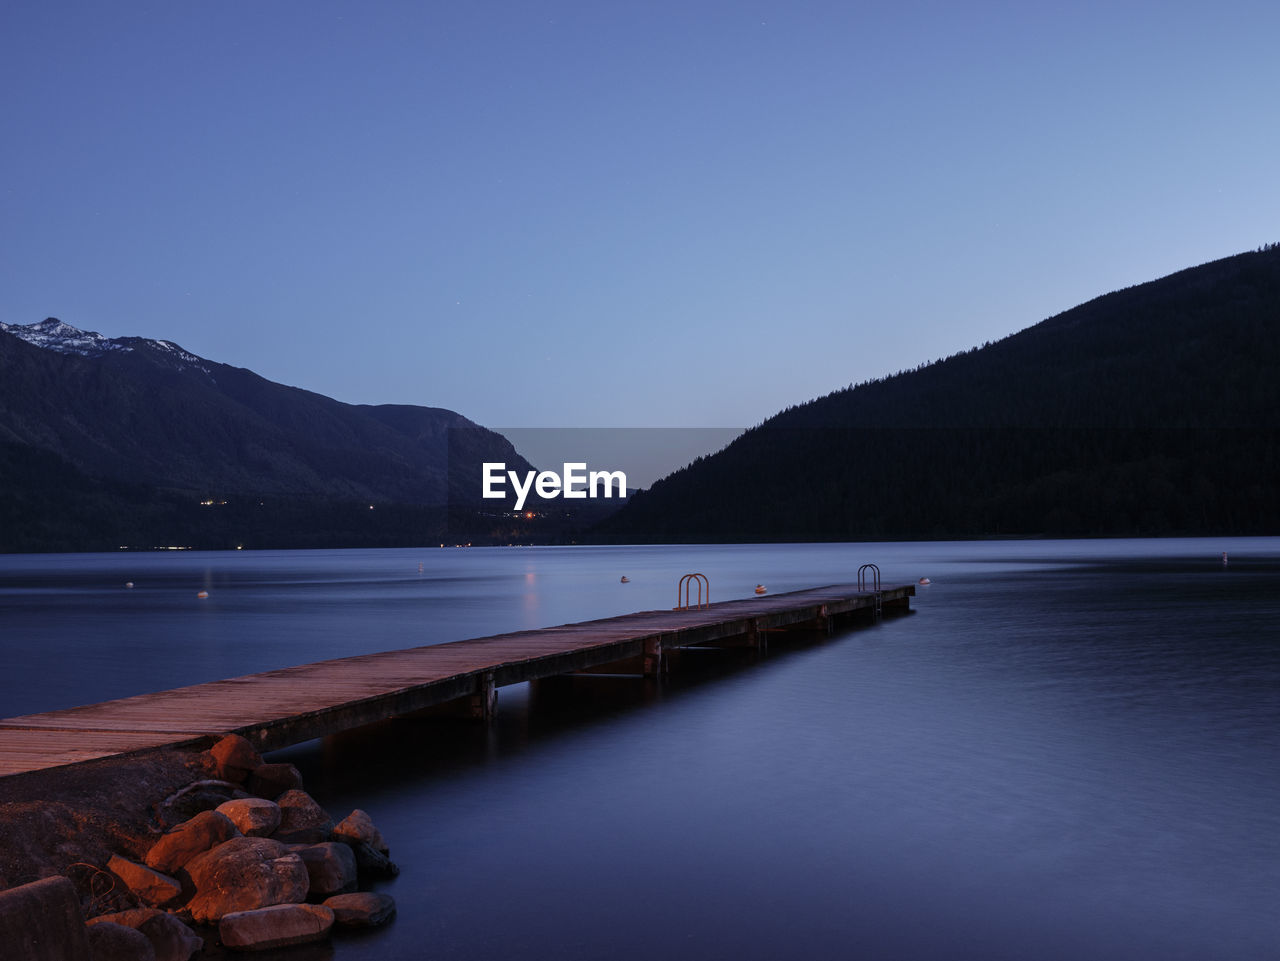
[625,579]
[925,581]
[128,583]
[761,589]
[203,594]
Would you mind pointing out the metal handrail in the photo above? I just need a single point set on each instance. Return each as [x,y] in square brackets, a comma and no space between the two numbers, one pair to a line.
[862,577]
[684,588]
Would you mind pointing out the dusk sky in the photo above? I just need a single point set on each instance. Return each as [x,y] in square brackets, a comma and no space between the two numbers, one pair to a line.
[620,214]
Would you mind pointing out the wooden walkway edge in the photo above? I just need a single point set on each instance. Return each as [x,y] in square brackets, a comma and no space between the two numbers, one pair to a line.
[275,709]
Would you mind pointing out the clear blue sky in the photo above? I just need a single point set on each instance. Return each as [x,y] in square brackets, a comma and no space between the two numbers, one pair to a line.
[627,214]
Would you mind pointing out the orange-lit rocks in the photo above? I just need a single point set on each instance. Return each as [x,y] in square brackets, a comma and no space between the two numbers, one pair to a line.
[358,831]
[130,918]
[302,820]
[358,827]
[235,758]
[275,927]
[222,855]
[189,839]
[244,874]
[331,867]
[148,886]
[197,796]
[363,909]
[255,817]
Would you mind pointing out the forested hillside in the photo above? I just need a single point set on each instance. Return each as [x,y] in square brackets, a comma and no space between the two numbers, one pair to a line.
[128,442]
[1151,410]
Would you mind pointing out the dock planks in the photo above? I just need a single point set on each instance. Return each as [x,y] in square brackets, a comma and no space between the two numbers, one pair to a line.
[275,709]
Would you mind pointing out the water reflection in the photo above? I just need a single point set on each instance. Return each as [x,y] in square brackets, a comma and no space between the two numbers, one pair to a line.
[1067,752]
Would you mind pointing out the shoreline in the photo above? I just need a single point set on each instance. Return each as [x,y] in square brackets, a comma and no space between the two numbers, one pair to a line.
[505,545]
[55,818]
[74,840]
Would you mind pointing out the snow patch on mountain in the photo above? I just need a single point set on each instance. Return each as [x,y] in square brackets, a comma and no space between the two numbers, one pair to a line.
[170,347]
[53,334]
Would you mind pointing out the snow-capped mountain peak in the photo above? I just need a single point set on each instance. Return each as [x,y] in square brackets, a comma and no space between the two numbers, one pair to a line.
[53,334]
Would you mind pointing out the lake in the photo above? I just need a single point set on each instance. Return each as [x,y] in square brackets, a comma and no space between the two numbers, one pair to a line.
[1066,751]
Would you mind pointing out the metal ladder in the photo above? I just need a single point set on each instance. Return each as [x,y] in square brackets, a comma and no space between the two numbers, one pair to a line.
[682,592]
[875,583]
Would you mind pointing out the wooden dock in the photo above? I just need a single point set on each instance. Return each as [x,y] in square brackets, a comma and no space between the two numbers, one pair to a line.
[278,708]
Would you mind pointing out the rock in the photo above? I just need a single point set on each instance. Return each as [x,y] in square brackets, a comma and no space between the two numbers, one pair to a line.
[171,940]
[114,942]
[244,874]
[302,820]
[271,780]
[364,909]
[235,758]
[148,886]
[255,817]
[275,927]
[358,826]
[331,867]
[372,863]
[41,921]
[198,796]
[130,919]
[189,839]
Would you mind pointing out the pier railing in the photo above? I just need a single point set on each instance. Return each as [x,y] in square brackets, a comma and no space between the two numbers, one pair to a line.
[684,589]
[874,572]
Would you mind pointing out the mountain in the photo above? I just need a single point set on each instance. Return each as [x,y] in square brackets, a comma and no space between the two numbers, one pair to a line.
[97,431]
[1151,410]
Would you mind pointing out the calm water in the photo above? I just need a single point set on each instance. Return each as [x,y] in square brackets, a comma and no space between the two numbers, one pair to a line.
[1067,751]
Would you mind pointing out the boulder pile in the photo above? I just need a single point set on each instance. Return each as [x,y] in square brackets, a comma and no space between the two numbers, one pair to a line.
[252,853]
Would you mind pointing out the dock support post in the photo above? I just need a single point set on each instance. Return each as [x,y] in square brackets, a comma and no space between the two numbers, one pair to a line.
[484,702]
[898,604]
[652,656]
[824,619]
[757,638]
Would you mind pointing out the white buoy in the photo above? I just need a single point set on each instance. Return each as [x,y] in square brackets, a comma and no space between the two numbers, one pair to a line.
[924,581]
[202,595]
[128,584]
